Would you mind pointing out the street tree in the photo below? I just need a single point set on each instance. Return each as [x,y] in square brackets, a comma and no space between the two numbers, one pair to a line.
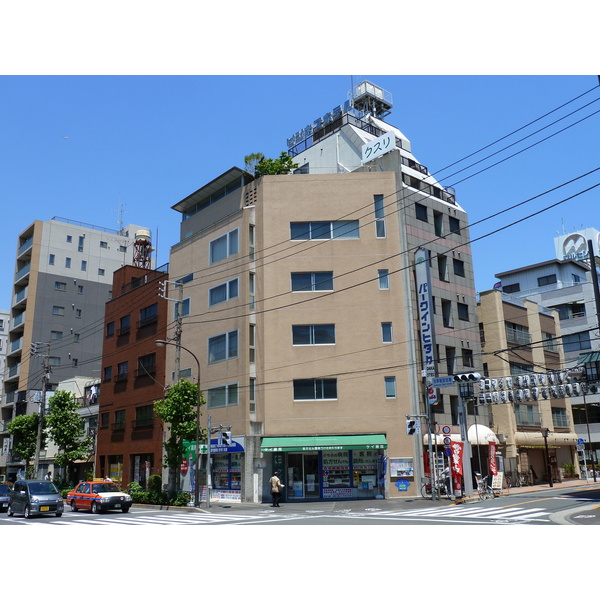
[269,166]
[178,409]
[64,428]
[24,429]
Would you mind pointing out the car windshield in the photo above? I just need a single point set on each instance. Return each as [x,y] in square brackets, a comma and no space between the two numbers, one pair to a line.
[98,488]
[42,487]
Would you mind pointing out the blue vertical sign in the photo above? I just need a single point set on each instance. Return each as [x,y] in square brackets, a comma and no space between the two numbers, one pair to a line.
[425,302]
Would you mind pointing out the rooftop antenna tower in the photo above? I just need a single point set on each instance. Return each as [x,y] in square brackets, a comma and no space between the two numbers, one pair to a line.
[142,249]
[120,210]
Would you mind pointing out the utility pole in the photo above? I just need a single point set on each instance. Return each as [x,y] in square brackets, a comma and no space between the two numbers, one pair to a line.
[35,348]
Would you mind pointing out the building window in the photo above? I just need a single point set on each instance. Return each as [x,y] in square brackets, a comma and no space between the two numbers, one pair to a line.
[223,347]
[110,329]
[252,342]
[125,323]
[80,244]
[549,342]
[224,246]
[454,225]
[251,242]
[54,361]
[463,311]
[450,359]
[78,313]
[467,358]
[51,259]
[104,419]
[222,396]
[56,335]
[383,276]
[69,239]
[459,267]
[379,215]
[84,265]
[107,374]
[527,415]
[559,417]
[149,314]
[146,364]
[144,416]
[546,280]
[252,290]
[443,267]
[319,281]
[517,334]
[119,423]
[103,244]
[123,249]
[59,311]
[122,371]
[224,292]
[315,389]
[252,394]
[573,310]
[80,289]
[438,223]
[447,313]
[421,212]
[386,333]
[512,288]
[60,286]
[313,335]
[324,230]
[101,272]
[577,341]
[185,308]
[68,262]
[390,387]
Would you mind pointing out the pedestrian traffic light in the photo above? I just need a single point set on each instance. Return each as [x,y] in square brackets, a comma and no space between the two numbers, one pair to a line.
[226,438]
[413,426]
[467,377]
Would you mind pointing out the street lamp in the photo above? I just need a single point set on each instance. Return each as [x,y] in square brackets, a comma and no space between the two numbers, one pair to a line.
[545,432]
[197,465]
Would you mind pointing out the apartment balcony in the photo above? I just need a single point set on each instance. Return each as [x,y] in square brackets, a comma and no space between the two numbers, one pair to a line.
[22,274]
[12,372]
[24,247]
[15,346]
[18,322]
[20,297]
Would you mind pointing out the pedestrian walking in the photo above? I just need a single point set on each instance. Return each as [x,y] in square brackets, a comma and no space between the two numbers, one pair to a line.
[48,476]
[276,487]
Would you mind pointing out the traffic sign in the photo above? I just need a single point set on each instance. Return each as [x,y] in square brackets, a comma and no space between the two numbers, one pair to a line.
[581,441]
[442,381]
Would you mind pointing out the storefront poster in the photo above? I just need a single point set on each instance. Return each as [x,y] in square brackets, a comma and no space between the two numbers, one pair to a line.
[456,466]
[337,493]
[402,467]
[492,452]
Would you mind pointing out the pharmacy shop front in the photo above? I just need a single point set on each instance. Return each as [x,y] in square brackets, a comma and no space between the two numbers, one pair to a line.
[350,467]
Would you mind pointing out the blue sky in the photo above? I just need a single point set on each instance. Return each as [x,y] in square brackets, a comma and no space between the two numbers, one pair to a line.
[139,144]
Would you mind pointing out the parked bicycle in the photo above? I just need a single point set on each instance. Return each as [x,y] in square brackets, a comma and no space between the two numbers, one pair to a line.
[441,486]
[513,478]
[484,489]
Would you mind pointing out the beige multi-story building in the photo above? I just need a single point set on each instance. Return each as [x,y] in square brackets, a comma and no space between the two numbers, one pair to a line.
[299,302]
[527,387]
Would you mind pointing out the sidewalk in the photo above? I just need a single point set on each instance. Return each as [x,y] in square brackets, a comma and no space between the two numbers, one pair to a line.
[390,504]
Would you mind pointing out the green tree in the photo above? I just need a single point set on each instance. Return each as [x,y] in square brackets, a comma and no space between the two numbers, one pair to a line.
[64,428]
[269,166]
[24,430]
[178,409]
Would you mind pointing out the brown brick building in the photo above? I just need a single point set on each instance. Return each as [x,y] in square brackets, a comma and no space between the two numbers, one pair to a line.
[133,377]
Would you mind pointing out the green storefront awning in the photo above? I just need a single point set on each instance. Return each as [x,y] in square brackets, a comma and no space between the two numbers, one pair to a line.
[323,442]
[588,357]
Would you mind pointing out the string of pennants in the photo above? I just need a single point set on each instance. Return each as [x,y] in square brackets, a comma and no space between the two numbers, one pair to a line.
[531,387]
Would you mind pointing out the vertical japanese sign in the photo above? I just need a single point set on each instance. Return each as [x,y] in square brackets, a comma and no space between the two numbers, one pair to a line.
[492,452]
[425,305]
[456,465]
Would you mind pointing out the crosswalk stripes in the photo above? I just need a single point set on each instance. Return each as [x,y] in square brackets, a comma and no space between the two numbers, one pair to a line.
[476,512]
[166,519]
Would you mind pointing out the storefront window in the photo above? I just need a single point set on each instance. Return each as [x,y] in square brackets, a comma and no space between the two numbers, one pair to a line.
[364,466]
[227,471]
[336,468]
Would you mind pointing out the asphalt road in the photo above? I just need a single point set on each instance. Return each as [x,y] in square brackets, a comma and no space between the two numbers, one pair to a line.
[577,505]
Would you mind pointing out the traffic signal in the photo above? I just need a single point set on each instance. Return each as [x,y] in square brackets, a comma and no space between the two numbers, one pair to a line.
[226,438]
[162,289]
[467,377]
[413,426]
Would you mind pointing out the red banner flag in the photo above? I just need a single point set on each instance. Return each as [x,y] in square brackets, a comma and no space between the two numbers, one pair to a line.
[493,464]
[456,465]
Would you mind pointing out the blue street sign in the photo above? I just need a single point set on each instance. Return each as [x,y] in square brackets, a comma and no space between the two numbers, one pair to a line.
[442,381]
[581,441]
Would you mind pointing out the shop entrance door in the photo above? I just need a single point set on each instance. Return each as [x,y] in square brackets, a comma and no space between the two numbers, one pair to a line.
[302,475]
